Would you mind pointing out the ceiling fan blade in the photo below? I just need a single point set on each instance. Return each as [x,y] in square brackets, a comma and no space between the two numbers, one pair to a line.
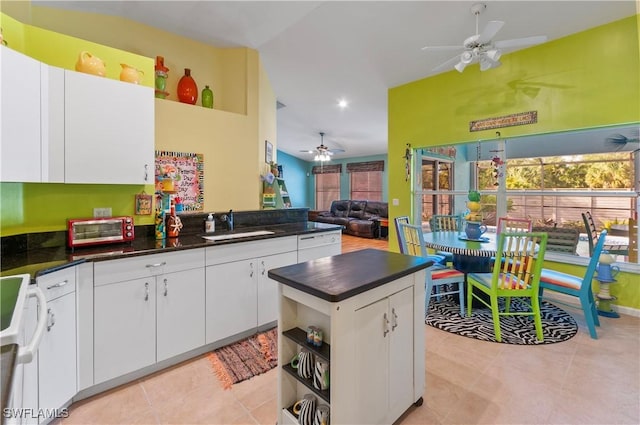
[447,64]
[489,31]
[306,151]
[443,48]
[517,42]
[332,151]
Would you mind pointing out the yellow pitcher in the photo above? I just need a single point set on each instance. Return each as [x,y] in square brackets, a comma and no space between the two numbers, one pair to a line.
[90,64]
[130,74]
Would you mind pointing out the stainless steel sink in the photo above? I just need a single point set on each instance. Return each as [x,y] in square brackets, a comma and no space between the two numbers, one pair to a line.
[238,235]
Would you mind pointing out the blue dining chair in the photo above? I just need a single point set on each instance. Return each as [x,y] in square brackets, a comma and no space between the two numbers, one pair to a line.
[579,287]
[440,277]
[403,219]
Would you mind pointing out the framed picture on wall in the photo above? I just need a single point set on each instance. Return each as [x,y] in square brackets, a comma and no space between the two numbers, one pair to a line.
[268,152]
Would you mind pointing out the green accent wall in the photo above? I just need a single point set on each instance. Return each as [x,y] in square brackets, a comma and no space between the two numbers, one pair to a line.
[584,80]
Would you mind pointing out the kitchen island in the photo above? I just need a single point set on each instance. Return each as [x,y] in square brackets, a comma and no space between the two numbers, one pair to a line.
[369,305]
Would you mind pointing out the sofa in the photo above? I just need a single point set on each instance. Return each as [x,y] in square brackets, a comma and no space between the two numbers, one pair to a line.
[357,218]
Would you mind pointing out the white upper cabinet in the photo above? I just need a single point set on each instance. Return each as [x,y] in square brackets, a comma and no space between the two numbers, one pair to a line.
[32,125]
[109,131]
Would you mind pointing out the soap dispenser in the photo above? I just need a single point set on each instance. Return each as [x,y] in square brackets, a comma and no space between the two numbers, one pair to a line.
[209,224]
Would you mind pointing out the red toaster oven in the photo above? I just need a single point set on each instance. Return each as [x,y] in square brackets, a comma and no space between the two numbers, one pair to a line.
[99,231]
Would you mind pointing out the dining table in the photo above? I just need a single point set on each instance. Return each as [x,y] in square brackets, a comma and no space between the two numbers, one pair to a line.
[469,255]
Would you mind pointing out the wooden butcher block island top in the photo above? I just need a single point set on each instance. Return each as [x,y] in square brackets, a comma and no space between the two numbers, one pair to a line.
[342,276]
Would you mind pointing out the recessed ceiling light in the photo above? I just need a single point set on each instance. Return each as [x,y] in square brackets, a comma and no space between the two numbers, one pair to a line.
[342,103]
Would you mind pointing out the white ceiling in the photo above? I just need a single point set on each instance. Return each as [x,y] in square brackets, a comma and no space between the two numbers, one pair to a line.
[317,52]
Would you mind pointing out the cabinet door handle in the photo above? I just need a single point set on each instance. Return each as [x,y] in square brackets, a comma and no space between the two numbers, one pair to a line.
[146,172]
[146,291]
[385,326]
[51,319]
[251,269]
[149,266]
[166,286]
[394,319]
[263,268]
[58,285]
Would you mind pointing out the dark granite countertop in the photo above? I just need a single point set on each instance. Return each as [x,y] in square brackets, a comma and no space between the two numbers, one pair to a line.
[46,260]
[342,276]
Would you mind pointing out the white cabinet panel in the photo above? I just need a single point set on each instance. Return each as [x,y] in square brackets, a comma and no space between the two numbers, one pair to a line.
[124,328]
[57,354]
[20,112]
[181,316]
[231,299]
[109,131]
[268,288]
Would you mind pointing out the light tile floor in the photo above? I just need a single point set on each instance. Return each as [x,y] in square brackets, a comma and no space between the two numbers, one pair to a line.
[580,381]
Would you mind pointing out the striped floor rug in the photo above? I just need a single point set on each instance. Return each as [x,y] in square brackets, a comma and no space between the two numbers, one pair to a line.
[557,324]
[245,359]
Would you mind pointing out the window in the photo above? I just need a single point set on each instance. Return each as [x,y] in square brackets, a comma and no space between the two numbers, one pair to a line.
[436,176]
[366,180]
[366,185]
[327,185]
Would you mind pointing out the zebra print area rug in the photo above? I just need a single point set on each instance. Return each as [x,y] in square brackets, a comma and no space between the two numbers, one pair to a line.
[557,324]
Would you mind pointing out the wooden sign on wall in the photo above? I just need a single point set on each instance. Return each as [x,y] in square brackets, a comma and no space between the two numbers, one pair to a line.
[521,118]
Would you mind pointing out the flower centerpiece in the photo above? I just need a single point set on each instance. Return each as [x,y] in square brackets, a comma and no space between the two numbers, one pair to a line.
[474,227]
[474,206]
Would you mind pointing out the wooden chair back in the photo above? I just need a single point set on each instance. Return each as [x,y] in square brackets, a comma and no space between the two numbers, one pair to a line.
[520,258]
[403,219]
[507,224]
[411,240]
[592,232]
[445,223]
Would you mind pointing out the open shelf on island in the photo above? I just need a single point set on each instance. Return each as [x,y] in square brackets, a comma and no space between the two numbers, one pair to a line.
[299,336]
[323,394]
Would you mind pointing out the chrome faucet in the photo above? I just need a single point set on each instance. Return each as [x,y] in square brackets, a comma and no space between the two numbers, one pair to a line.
[228,218]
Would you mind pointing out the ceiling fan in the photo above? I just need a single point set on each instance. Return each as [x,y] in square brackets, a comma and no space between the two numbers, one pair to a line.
[481,48]
[323,153]
[618,141]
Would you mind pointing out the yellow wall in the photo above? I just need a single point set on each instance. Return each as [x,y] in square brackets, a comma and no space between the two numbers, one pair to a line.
[588,79]
[231,136]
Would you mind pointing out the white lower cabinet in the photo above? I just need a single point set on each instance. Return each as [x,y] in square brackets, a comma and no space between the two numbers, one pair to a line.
[180,312]
[50,379]
[57,355]
[318,245]
[239,295]
[147,319]
[268,288]
[384,343]
[124,328]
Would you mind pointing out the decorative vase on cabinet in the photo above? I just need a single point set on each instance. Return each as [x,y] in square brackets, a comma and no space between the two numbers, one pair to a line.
[187,88]
[130,74]
[207,97]
[161,78]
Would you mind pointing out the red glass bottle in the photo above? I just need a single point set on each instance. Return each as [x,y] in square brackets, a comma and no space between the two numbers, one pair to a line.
[187,88]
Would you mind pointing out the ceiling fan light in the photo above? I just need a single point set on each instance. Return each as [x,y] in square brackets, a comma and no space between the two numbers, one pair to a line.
[460,66]
[494,54]
[466,58]
[485,64]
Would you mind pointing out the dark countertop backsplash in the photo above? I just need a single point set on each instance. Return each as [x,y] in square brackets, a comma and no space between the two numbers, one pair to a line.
[38,253]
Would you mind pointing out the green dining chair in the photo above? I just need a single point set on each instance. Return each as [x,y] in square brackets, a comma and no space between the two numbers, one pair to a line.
[445,280]
[516,273]
[579,287]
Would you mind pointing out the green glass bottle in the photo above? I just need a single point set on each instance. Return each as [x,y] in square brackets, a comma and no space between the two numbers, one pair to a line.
[207,97]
